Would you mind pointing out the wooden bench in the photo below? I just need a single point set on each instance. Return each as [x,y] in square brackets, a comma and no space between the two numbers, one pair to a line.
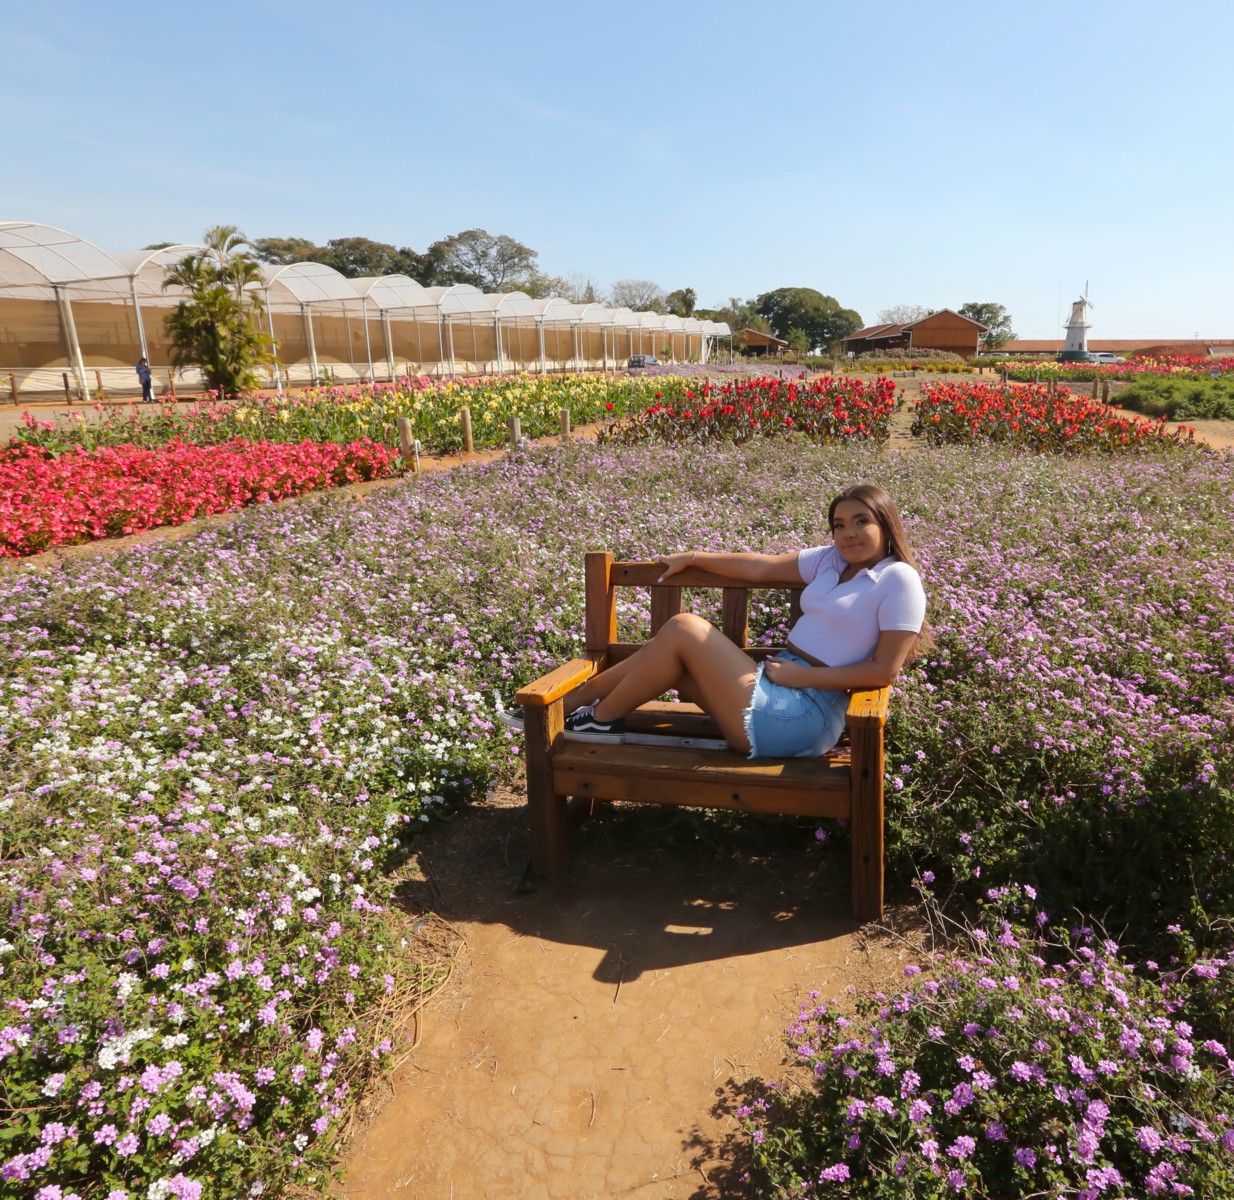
[847,782]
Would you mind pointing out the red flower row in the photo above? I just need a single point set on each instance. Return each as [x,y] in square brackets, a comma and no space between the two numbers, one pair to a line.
[48,500]
[1033,417]
[824,409]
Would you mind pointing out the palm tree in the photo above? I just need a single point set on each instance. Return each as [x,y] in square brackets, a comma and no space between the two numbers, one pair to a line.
[216,326]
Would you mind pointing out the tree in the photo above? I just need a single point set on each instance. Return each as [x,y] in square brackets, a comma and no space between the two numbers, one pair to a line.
[283,251]
[993,315]
[640,295]
[819,317]
[216,326]
[681,302]
[798,342]
[736,314]
[904,314]
[491,263]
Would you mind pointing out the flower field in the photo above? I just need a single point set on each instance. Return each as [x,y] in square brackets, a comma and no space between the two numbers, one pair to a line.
[347,414]
[1032,417]
[1176,365]
[213,751]
[824,409]
[51,500]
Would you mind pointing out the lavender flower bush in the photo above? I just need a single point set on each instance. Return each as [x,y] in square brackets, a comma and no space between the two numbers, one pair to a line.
[1027,1065]
[211,752]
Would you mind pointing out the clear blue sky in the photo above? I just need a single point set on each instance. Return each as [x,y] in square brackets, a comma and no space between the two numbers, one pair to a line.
[897,153]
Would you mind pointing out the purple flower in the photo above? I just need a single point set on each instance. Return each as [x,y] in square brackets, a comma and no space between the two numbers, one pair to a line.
[962,1147]
[1026,1158]
[837,1173]
[127,1145]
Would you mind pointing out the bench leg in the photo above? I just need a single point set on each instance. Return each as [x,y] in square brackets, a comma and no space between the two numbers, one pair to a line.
[866,743]
[547,812]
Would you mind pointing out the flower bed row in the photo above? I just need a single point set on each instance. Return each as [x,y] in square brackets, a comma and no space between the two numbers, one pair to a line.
[1179,365]
[347,414]
[49,500]
[1033,417]
[822,409]
[1030,1064]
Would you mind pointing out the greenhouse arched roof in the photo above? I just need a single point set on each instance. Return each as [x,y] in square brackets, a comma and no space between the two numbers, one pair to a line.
[390,292]
[42,258]
[308,283]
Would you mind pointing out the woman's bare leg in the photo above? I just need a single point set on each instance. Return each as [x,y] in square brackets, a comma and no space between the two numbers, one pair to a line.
[685,649]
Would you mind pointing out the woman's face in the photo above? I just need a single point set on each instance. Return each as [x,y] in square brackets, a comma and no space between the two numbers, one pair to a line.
[858,535]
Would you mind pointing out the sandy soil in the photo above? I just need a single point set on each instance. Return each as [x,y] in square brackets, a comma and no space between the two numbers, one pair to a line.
[596,1039]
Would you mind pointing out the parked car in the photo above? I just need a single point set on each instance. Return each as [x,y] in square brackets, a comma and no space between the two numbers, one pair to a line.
[1104,356]
[642,360]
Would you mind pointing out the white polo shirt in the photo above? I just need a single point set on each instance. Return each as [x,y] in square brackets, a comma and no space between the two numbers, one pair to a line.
[840,622]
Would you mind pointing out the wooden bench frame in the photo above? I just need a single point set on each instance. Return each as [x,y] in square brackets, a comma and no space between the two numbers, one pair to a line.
[847,782]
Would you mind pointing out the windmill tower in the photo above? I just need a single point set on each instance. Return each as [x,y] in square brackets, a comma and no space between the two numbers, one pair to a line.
[1076,347]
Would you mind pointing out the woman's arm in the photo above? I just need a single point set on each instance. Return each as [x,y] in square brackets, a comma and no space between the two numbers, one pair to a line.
[890,654]
[750,567]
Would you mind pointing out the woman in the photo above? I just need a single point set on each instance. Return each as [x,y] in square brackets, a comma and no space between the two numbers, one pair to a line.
[863,608]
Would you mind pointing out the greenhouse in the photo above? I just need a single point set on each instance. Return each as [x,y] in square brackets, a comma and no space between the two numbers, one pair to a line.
[74,320]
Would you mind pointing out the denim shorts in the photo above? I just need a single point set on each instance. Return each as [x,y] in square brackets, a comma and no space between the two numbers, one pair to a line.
[789,722]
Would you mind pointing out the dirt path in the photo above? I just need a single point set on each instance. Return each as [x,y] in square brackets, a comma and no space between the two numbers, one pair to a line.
[595,1041]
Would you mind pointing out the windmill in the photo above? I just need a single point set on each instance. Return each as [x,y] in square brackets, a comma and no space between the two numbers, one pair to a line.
[1076,347]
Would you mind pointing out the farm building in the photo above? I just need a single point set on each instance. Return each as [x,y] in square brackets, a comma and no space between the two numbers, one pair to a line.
[755,343]
[943,330]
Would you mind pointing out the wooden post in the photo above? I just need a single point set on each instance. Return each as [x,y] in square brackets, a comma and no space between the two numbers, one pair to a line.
[547,812]
[468,444]
[406,445]
[13,388]
[1052,386]
[68,395]
[171,383]
[565,424]
[516,433]
[865,736]
[1096,383]
[1004,376]
[98,379]
[1105,391]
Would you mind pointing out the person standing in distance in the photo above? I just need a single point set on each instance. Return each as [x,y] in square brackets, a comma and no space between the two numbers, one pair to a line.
[147,381]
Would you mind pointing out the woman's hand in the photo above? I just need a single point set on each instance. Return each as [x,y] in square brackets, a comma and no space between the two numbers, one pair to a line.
[789,674]
[674,563]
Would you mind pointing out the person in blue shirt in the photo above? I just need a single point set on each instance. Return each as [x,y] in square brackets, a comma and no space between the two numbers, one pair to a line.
[147,381]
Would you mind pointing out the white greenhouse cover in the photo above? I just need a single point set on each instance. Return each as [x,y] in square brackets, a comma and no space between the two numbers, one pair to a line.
[40,257]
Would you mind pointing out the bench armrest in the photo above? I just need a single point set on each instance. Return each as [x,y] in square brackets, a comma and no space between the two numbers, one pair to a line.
[869,706]
[551,687]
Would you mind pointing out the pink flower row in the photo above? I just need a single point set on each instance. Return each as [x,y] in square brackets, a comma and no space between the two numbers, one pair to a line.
[84,495]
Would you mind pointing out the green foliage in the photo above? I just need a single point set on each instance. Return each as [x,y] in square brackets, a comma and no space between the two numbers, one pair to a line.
[682,302]
[995,316]
[1181,399]
[1021,1065]
[491,262]
[819,317]
[217,327]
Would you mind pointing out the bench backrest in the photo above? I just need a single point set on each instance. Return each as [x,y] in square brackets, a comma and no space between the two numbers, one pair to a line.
[604,575]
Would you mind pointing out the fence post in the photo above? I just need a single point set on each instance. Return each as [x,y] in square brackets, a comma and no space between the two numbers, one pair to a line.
[13,388]
[1105,391]
[468,445]
[171,383]
[1096,383]
[98,379]
[68,395]
[565,424]
[516,433]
